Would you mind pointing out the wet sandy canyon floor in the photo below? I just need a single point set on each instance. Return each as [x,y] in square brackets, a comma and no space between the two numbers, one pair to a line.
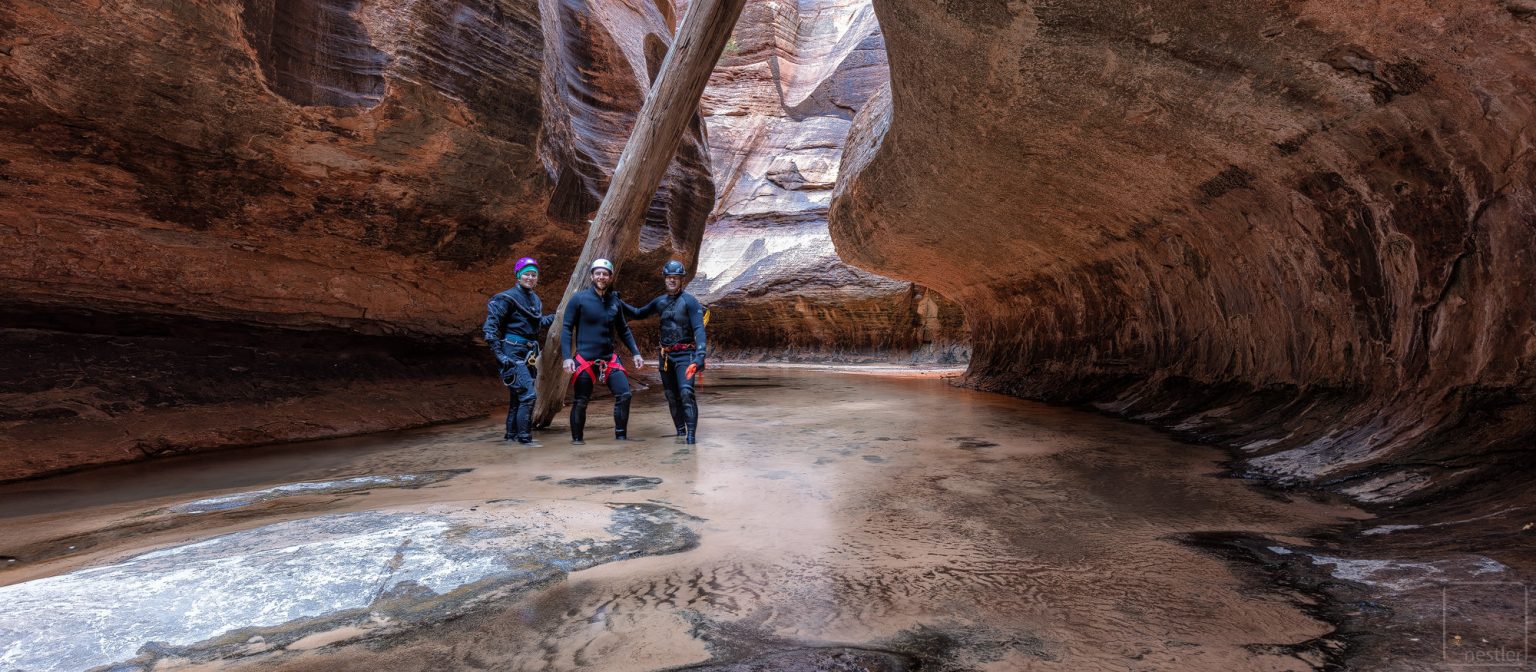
[825,520]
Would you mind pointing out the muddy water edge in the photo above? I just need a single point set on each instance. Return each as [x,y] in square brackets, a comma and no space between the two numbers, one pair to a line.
[825,520]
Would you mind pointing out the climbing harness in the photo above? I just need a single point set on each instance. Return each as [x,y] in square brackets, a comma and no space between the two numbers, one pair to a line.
[583,365]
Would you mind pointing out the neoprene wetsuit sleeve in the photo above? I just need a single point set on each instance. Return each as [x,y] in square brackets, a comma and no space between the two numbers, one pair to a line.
[696,317]
[623,328]
[546,320]
[495,312]
[567,327]
[642,312]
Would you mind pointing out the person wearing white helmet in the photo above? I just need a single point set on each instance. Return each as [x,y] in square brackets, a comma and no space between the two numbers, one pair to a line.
[593,317]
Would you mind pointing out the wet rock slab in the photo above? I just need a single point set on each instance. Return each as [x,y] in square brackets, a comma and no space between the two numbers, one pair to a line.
[260,590]
[347,485]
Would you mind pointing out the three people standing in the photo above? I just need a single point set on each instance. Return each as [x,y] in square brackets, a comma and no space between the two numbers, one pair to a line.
[594,319]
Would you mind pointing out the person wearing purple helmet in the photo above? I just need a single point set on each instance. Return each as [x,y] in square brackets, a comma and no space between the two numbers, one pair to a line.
[513,320]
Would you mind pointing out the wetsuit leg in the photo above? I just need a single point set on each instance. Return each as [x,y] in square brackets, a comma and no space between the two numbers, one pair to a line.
[582,395]
[512,407]
[669,390]
[686,398]
[523,391]
[618,383]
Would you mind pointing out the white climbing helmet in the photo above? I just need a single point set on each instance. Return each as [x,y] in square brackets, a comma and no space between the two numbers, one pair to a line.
[603,264]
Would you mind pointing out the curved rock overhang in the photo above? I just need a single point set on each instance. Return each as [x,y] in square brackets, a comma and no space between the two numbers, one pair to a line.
[1303,229]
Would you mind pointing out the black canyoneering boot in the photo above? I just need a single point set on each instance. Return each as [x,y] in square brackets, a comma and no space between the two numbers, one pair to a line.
[621,417]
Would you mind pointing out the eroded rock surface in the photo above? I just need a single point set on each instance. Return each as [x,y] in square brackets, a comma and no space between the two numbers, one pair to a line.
[778,109]
[1300,228]
[262,590]
[1042,537]
[334,166]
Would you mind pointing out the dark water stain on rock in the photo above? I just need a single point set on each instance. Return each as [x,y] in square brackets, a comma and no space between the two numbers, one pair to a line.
[972,443]
[625,482]
[832,659]
[962,647]
[1308,588]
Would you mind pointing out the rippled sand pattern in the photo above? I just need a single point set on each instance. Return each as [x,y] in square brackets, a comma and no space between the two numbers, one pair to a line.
[848,522]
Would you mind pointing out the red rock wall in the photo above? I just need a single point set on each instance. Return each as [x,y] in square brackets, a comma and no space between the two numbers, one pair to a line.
[778,109]
[1304,228]
[370,166]
[316,171]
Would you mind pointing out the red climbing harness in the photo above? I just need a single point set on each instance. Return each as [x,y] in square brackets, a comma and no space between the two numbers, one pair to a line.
[583,365]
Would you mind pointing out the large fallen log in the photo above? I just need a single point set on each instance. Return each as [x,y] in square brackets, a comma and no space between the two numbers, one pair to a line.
[671,103]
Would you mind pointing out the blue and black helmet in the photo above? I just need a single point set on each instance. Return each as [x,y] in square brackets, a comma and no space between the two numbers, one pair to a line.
[673,267]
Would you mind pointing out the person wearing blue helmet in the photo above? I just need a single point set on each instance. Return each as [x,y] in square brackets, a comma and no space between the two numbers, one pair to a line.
[682,347]
[513,319]
[593,318]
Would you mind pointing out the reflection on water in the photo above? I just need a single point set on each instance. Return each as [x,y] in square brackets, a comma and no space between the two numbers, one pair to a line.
[835,514]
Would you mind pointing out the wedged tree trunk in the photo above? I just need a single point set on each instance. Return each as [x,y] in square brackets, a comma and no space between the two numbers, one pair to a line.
[671,103]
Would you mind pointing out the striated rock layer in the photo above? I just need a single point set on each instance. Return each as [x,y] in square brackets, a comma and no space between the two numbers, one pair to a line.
[778,109]
[283,168]
[1304,228]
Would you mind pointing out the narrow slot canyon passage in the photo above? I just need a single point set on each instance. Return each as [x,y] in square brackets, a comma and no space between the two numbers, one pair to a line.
[1042,335]
[879,518]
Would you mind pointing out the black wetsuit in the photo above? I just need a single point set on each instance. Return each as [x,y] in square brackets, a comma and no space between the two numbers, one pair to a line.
[513,320]
[682,344]
[587,332]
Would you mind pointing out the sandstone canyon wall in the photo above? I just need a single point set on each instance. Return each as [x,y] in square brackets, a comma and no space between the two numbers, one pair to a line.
[778,110]
[1301,228]
[263,220]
